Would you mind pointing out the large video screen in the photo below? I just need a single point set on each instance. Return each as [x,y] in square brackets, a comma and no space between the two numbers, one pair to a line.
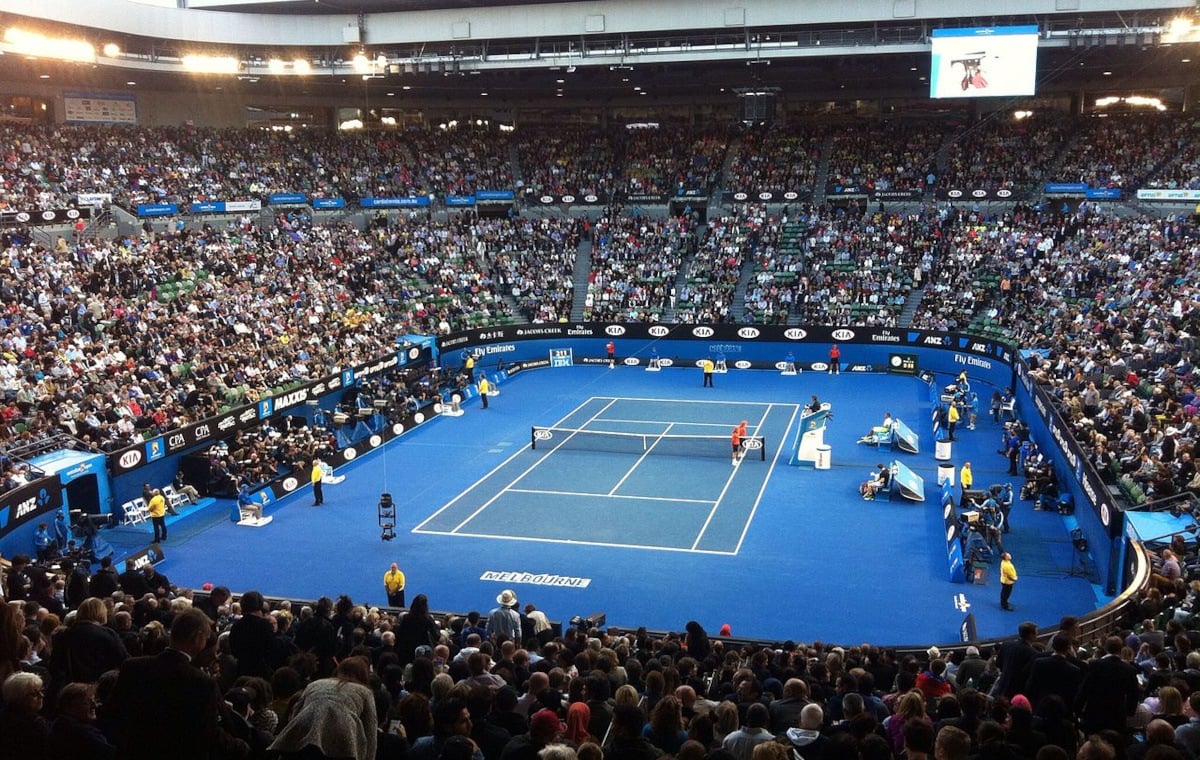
[981,62]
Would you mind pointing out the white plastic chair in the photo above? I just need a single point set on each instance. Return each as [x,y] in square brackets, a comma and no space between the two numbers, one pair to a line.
[134,513]
[173,497]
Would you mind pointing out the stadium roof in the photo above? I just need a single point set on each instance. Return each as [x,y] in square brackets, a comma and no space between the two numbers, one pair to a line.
[628,59]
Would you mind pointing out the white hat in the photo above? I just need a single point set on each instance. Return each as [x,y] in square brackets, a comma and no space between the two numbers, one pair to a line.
[934,653]
[507,598]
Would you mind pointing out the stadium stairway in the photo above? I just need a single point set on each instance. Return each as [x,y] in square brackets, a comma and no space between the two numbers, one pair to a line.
[583,265]
[822,178]
[737,309]
[911,304]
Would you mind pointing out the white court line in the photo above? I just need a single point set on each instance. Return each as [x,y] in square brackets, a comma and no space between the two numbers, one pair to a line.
[572,542]
[528,470]
[660,422]
[497,468]
[689,401]
[746,526]
[712,512]
[763,488]
[609,495]
[639,461]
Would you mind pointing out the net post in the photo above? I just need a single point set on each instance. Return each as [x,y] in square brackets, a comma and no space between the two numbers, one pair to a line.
[532,437]
[762,450]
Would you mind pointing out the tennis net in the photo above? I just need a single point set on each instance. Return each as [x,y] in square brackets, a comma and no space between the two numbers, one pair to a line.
[553,439]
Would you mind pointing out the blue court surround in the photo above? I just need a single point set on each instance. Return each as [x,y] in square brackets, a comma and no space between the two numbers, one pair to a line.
[781,552]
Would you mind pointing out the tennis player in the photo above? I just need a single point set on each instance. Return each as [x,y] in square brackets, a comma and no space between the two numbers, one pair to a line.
[739,433]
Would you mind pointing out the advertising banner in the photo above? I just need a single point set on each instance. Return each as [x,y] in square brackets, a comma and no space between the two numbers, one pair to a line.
[1178,194]
[569,199]
[406,202]
[157,209]
[30,502]
[287,199]
[766,196]
[328,203]
[48,216]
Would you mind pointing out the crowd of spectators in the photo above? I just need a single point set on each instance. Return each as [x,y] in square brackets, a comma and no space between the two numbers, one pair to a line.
[533,260]
[576,161]
[49,166]
[670,159]
[464,159]
[117,662]
[776,158]
[635,261]
[888,155]
[858,266]
[1120,150]
[1003,154]
[711,276]
[108,338]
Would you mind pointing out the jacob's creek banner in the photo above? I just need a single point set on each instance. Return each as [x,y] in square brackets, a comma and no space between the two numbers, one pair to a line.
[30,502]
[288,402]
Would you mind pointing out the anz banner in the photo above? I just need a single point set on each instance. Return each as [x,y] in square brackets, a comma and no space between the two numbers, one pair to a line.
[291,401]
[30,502]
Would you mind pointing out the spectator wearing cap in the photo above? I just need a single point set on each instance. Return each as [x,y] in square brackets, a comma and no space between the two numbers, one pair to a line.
[504,622]
[544,728]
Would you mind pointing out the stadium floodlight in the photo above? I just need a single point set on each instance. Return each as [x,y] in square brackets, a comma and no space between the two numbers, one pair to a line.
[111,50]
[275,66]
[301,66]
[41,46]
[211,64]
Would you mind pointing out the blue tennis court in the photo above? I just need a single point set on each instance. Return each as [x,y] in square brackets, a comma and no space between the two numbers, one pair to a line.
[660,471]
[656,537]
